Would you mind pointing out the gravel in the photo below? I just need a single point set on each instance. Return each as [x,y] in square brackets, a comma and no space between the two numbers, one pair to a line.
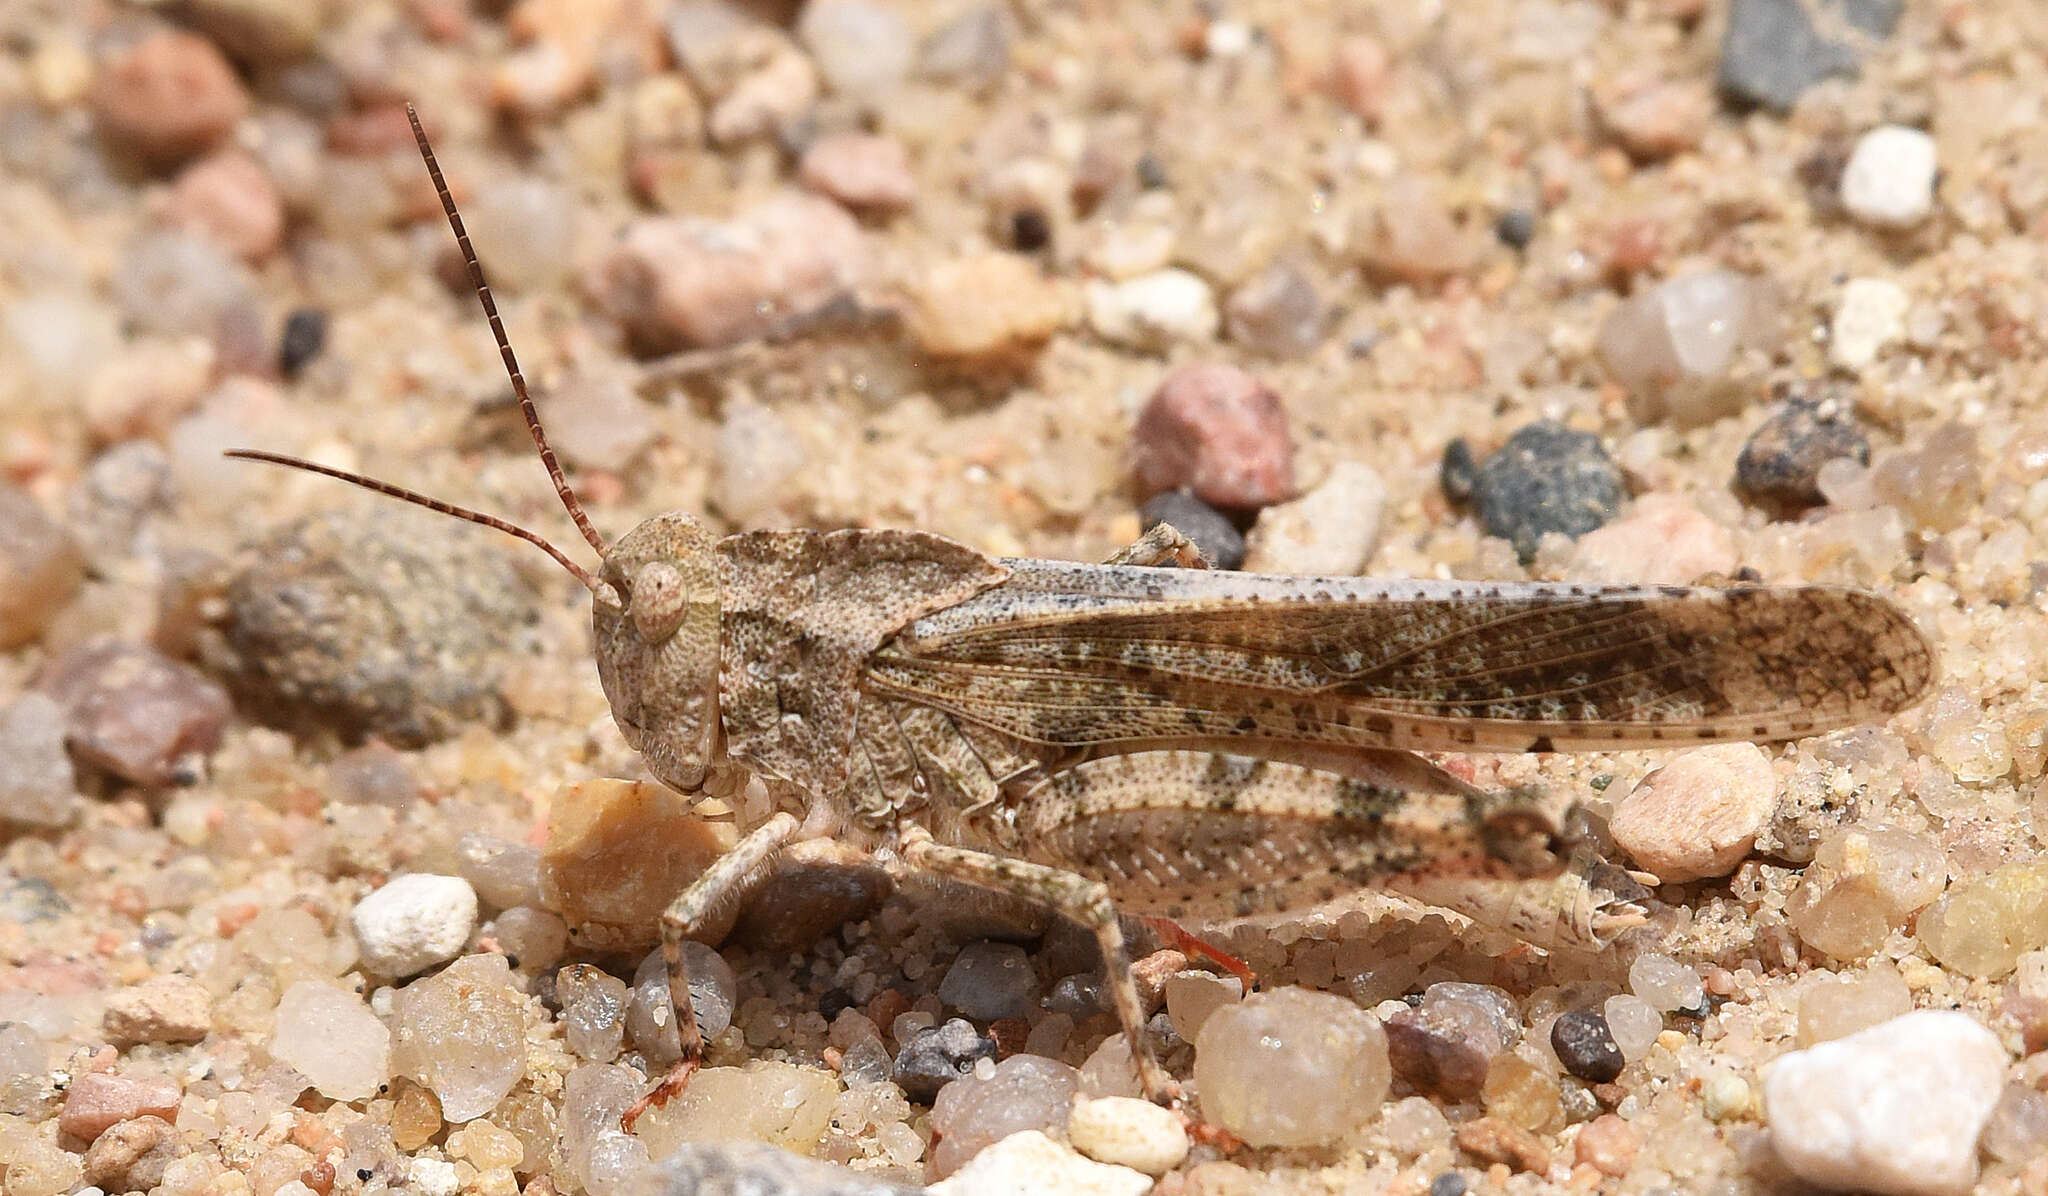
[1546,479]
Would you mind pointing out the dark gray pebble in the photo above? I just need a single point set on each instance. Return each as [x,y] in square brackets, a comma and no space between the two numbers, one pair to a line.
[1586,1046]
[1515,227]
[938,1055]
[1546,478]
[1780,464]
[1209,528]
[1458,473]
[1772,52]
[305,334]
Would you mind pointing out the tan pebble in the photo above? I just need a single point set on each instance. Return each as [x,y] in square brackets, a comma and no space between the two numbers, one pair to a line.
[415,1118]
[169,97]
[60,72]
[1128,1132]
[1664,540]
[100,1099]
[1359,71]
[1656,118]
[988,306]
[619,851]
[1700,814]
[1150,975]
[1493,1140]
[131,1156]
[1608,1144]
[166,1009]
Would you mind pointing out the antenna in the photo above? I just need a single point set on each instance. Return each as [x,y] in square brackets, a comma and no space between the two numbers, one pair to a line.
[432,504]
[483,295]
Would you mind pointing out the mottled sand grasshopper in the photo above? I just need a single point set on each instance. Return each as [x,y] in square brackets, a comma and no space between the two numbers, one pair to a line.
[1178,741]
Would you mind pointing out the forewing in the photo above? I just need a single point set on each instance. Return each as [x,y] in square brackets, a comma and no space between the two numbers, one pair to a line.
[1083,654]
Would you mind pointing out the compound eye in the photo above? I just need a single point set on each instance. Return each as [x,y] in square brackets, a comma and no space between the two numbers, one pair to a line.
[659,601]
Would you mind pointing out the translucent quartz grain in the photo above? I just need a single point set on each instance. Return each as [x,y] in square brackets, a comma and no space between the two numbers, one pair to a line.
[1292,1068]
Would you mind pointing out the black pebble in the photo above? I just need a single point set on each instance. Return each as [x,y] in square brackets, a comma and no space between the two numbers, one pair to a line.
[1030,231]
[305,334]
[1515,227]
[1211,531]
[1780,465]
[1546,478]
[1586,1046]
[835,1002]
[1458,473]
[1772,52]
[1151,172]
[1450,1183]
[938,1055]
[1077,996]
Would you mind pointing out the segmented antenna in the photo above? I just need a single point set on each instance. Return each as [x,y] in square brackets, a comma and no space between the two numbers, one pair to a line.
[483,295]
[432,504]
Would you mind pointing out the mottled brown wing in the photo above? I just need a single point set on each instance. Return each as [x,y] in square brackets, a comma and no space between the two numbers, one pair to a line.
[1097,655]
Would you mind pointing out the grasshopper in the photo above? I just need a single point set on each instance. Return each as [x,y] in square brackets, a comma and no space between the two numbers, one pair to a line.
[1174,741]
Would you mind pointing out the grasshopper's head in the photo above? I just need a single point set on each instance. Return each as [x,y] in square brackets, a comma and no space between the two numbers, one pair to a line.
[654,613]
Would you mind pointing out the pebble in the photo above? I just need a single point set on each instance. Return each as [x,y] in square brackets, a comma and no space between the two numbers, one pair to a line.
[690,283]
[1982,925]
[757,81]
[162,1009]
[132,1156]
[304,335]
[1656,118]
[413,922]
[1153,311]
[1030,1164]
[131,711]
[1219,432]
[1889,181]
[1221,544]
[1608,1144]
[1937,485]
[503,873]
[651,1014]
[372,775]
[228,196]
[1290,1067]
[781,1104]
[1410,234]
[597,421]
[64,338]
[1634,1023]
[177,283]
[994,307]
[1330,531]
[113,504]
[1666,984]
[1277,312]
[752,1169]
[618,852]
[169,97]
[1663,540]
[1359,70]
[989,981]
[1446,1044]
[1896,1108]
[1871,315]
[1023,1092]
[533,940]
[758,455]
[866,171]
[593,1011]
[1831,1008]
[2017,1131]
[527,226]
[1781,461]
[1191,996]
[41,567]
[1700,814]
[1523,1094]
[862,49]
[462,1033]
[1585,1045]
[329,1036]
[1676,348]
[1546,478]
[936,1056]
[38,787]
[1493,1140]
[381,622]
[98,1099]
[972,50]
[1515,228]
[1128,1132]
[1772,52]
